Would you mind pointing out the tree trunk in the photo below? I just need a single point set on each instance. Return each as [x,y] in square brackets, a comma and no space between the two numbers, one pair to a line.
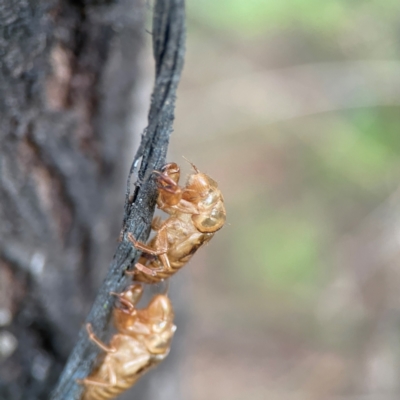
[68,70]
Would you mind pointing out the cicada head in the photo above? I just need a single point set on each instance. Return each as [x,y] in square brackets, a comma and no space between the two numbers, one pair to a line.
[160,316]
[125,314]
[198,187]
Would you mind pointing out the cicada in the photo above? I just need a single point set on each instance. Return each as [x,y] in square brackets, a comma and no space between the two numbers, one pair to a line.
[142,341]
[196,212]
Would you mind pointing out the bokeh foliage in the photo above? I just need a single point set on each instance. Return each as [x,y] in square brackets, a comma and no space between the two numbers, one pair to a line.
[310,197]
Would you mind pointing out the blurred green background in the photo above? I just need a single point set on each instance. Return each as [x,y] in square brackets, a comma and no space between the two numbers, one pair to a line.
[293,107]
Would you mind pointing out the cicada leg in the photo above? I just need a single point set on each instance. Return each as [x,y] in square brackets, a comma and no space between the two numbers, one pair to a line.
[97,341]
[159,248]
[160,243]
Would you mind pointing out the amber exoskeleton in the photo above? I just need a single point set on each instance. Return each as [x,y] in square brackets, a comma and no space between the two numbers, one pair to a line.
[196,212]
[143,340]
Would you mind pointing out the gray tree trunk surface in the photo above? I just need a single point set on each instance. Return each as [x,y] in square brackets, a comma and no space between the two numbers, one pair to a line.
[67,74]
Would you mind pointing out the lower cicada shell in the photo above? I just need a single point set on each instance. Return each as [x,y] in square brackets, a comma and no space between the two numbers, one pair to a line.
[143,340]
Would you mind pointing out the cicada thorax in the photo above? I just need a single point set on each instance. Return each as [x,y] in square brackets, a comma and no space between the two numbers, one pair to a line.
[183,242]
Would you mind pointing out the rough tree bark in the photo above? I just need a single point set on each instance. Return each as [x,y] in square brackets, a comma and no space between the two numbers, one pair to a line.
[67,73]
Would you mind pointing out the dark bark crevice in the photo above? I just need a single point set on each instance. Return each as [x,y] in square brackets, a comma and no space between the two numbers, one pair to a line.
[67,72]
[60,219]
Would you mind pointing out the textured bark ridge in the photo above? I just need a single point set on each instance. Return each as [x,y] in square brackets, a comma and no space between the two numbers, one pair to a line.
[67,71]
[168,48]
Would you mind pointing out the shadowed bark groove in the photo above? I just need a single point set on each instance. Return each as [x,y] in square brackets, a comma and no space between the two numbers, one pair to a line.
[67,74]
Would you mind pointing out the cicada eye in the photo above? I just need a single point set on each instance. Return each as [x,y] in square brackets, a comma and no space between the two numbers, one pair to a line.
[212,222]
[159,326]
